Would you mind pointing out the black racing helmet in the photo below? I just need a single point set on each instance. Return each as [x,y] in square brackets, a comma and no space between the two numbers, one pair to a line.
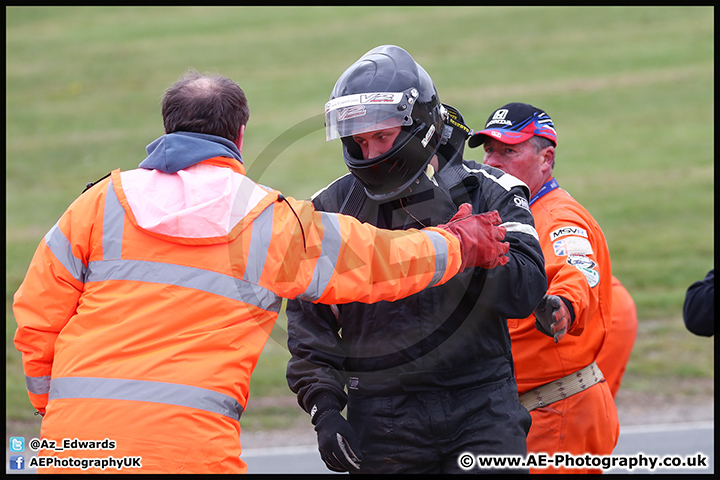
[386,88]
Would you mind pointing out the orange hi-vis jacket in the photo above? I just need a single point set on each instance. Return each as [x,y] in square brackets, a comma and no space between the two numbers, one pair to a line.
[577,263]
[145,308]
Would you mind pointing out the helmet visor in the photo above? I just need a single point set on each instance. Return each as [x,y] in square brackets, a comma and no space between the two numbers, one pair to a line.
[367,112]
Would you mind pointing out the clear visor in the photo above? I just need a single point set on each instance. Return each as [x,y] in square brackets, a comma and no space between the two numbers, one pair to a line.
[367,112]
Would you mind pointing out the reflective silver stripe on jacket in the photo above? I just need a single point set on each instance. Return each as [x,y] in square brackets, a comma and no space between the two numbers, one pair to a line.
[38,385]
[113,223]
[187,277]
[441,255]
[262,229]
[331,244]
[145,391]
[60,246]
[330,251]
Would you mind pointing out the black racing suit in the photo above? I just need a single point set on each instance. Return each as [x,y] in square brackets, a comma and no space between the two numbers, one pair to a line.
[430,376]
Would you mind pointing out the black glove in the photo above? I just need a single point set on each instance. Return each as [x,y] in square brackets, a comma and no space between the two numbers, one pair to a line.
[336,438]
[552,317]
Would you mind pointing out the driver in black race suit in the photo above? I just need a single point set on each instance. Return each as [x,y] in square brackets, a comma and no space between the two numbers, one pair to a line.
[437,381]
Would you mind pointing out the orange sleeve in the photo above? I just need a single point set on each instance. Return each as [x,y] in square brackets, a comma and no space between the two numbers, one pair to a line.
[337,259]
[49,294]
[576,259]
[577,263]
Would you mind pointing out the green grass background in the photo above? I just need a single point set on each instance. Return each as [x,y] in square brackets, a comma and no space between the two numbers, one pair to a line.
[630,90]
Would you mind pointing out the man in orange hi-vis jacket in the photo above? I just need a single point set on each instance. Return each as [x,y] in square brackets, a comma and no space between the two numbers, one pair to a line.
[145,308]
[556,349]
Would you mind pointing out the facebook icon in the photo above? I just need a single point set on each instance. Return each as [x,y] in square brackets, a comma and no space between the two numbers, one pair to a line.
[17,462]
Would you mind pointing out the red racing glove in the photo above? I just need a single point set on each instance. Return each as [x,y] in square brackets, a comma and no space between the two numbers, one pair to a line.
[552,317]
[480,238]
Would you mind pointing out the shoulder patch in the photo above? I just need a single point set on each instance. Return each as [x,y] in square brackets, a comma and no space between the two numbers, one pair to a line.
[521,202]
[572,246]
[570,230]
[587,267]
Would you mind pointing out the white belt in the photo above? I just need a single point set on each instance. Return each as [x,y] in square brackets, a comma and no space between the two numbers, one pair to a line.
[562,388]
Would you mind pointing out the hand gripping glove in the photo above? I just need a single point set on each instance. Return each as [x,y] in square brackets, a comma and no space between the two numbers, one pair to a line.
[552,317]
[480,238]
[337,442]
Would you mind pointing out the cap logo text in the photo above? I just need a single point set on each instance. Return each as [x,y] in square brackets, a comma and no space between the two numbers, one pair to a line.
[498,118]
[500,114]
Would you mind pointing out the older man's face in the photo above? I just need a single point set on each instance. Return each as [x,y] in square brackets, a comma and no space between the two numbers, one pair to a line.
[519,160]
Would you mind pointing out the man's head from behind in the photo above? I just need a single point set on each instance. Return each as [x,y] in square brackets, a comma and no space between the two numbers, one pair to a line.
[520,140]
[387,112]
[209,104]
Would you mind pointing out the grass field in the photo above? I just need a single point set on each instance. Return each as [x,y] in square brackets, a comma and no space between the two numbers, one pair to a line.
[630,90]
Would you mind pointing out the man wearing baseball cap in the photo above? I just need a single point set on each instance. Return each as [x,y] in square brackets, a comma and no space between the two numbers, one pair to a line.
[556,350]
[515,123]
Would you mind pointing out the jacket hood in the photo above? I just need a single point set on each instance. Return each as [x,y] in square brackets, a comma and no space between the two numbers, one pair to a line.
[190,189]
[176,151]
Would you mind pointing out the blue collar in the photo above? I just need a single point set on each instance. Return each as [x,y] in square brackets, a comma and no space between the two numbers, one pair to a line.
[549,186]
[175,151]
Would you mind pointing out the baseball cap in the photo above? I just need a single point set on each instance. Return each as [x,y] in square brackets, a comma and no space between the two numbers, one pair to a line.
[514,123]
